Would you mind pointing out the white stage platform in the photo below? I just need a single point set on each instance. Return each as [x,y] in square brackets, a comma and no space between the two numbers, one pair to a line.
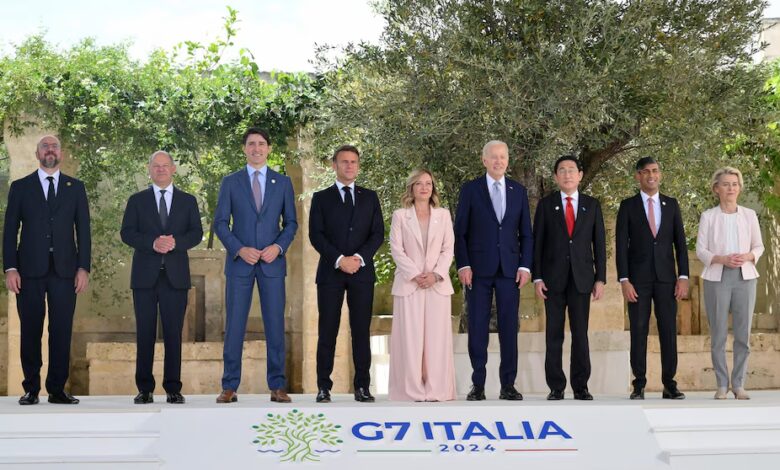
[611,432]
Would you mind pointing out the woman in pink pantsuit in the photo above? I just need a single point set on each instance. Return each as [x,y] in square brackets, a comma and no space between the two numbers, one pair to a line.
[422,242]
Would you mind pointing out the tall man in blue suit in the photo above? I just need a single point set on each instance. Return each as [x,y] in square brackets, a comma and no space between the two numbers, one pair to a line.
[260,204]
[493,253]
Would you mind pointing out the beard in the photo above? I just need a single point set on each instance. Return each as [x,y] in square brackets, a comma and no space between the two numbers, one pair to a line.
[49,160]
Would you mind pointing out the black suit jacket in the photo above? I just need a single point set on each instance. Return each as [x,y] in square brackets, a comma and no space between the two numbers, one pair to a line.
[334,230]
[68,224]
[141,226]
[554,252]
[640,257]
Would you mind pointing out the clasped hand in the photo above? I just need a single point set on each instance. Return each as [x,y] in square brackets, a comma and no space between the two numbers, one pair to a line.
[425,280]
[253,255]
[349,264]
[164,243]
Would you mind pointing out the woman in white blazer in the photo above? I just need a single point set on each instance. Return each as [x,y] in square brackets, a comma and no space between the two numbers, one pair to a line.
[422,244]
[729,244]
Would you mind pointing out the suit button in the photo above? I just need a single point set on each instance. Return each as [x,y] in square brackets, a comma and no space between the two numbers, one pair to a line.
[48,236]
[350,229]
[571,241]
[499,227]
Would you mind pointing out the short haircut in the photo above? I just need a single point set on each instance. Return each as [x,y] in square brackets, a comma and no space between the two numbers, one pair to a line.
[256,130]
[491,143]
[726,170]
[644,161]
[564,158]
[161,152]
[345,148]
[407,200]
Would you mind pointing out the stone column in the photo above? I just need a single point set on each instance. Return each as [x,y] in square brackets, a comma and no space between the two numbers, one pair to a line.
[21,152]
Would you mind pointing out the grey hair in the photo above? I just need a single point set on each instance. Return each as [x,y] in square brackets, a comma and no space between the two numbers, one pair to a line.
[726,170]
[161,152]
[491,144]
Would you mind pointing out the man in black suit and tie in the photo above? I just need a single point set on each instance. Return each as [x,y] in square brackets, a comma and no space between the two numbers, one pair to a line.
[570,265]
[49,265]
[161,223]
[649,236]
[346,228]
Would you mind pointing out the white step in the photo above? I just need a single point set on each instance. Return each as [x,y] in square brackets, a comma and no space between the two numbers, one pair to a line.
[78,462]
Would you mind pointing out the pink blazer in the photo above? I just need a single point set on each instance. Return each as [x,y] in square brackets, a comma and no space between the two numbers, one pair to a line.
[407,249]
[711,241]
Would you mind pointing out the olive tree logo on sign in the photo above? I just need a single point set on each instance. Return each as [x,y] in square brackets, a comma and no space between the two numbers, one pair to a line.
[297,437]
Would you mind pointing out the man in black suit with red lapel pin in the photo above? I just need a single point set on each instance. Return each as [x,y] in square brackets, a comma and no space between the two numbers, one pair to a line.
[649,238]
[570,265]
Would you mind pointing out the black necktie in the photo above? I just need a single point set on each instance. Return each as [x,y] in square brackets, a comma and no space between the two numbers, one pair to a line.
[163,209]
[348,197]
[50,193]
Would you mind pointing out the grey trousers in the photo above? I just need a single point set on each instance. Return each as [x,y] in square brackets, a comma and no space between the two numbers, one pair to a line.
[738,296]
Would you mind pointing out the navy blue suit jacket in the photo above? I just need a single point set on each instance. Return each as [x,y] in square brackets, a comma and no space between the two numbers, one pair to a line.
[140,228]
[486,244]
[69,221]
[238,224]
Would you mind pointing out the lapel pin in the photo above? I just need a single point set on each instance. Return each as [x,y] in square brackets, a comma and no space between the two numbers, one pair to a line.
[663,203]
[68,183]
[584,209]
[273,181]
[557,208]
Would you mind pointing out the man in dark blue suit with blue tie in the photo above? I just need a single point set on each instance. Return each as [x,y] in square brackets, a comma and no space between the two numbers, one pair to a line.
[493,253]
[260,203]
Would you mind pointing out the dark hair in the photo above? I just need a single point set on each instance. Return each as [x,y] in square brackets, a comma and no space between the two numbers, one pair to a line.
[563,158]
[644,161]
[256,130]
[345,148]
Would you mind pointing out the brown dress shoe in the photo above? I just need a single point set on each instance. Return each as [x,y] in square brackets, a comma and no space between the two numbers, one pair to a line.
[279,395]
[227,396]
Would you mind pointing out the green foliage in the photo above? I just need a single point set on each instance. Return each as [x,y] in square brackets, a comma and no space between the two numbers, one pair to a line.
[606,80]
[112,112]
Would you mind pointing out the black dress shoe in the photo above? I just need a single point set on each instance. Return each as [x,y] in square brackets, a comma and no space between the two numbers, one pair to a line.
[323,396]
[29,398]
[673,393]
[582,394]
[363,395]
[176,398]
[143,398]
[63,398]
[555,395]
[638,393]
[477,393]
[509,392]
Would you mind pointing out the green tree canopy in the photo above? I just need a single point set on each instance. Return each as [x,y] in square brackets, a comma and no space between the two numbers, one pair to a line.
[606,80]
[112,112]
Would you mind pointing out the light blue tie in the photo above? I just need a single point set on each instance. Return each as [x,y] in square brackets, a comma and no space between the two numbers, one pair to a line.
[495,197]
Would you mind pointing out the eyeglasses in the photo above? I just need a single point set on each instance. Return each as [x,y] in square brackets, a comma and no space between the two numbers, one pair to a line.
[567,171]
[49,146]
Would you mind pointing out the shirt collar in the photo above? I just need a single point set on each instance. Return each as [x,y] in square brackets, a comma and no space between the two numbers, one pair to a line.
[656,197]
[490,180]
[168,189]
[340,185]
[42,175]
[251,170]
[575,196]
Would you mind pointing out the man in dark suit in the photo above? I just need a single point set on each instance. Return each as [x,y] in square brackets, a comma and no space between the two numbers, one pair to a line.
[256,222]
[161,223]
[48,266]
[649,236]
[346,228]
[570,265]
[493,253]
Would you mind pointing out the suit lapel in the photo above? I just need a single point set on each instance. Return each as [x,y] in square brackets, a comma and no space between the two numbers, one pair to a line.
[414,225]
[151,203]
[243,181]
[485,194]
[559,210]
[665,213]
[583,209]
[271,181]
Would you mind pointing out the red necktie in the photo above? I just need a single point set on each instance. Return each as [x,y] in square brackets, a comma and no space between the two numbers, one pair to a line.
[569,216]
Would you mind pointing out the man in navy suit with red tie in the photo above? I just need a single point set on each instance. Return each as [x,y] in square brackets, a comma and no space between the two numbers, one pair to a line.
[649,238]
[493,253]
